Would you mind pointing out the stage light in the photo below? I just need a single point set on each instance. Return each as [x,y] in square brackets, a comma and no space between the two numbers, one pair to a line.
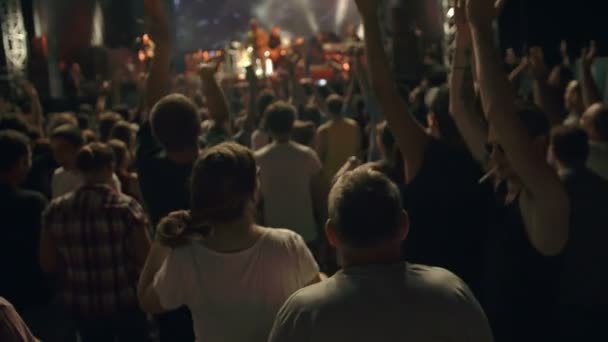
[306,7]
[269,67]
[451,13]
[97,31]
[341,8]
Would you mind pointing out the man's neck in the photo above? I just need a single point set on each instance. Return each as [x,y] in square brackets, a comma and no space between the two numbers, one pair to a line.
[383,255]
[281,139]
[183,157]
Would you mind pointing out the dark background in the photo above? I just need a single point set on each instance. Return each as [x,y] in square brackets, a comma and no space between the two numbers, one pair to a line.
[525,23]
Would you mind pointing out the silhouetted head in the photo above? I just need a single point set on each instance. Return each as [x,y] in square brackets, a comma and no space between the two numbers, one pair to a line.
[176,123]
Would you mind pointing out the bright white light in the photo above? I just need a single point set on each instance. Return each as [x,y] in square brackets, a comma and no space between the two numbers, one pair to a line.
[267,12]
[269,67]
[97,36]
[451,13]
[341,9]
[259,71]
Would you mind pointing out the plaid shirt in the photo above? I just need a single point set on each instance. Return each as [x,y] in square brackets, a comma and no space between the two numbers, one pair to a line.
[91,229]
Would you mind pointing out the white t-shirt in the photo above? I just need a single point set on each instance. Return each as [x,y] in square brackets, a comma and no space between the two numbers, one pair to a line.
[65,181]
[400,302]
[235,297]
[286,172]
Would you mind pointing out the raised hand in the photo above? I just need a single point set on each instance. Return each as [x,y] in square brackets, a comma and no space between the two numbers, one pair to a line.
[563,48]
[29,89]
[537,63]
[589,54]
[209,69]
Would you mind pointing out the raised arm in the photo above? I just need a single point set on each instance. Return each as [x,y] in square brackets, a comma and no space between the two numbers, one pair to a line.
[158,80]
[411,137]
[591,94]
[545,96]
[468,119]
[520,69]
[544,202]
[252,110]
[37,114]
[214,96]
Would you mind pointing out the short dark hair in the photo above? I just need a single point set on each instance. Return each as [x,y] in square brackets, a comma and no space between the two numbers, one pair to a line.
[534,120]
[14,123]
[335,103]
[107,121]
[123,131]
[60,119]
[280,117]
[69,133]
[599,121]
[224,180]
[365,208]
[94,157]
[311,114]
[176,123]
[570,145]
[13,146]
[265,99]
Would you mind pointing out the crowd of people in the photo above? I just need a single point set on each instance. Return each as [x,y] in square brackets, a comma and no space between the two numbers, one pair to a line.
[469,209]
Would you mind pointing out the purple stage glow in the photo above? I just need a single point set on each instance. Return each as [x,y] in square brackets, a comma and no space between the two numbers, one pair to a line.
[214,23]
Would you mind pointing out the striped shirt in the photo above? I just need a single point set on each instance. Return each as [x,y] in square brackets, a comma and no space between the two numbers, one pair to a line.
[92,229]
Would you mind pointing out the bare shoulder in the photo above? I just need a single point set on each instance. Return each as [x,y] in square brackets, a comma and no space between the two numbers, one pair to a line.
[350,122]
[324,127]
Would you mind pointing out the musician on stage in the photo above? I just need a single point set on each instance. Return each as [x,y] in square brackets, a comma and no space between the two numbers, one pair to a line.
[258,39]
[275,38]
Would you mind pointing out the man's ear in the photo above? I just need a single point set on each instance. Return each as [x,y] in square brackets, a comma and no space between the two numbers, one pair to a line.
[404,226]
[330,233]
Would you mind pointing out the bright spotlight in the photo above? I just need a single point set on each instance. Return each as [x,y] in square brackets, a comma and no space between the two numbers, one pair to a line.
[341,8]
[451,13]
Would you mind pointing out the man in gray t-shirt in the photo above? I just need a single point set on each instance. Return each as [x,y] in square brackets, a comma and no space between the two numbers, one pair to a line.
[377,297]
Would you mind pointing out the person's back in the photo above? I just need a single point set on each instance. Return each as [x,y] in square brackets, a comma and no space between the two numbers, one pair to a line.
[398,302]
[338,139]
[585,255]
[235,296]
[96,238]
[163,178]
[91,227]
[378,297]
[286,172]
[23,282]
[582,297]
[232,274]
[342,142]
